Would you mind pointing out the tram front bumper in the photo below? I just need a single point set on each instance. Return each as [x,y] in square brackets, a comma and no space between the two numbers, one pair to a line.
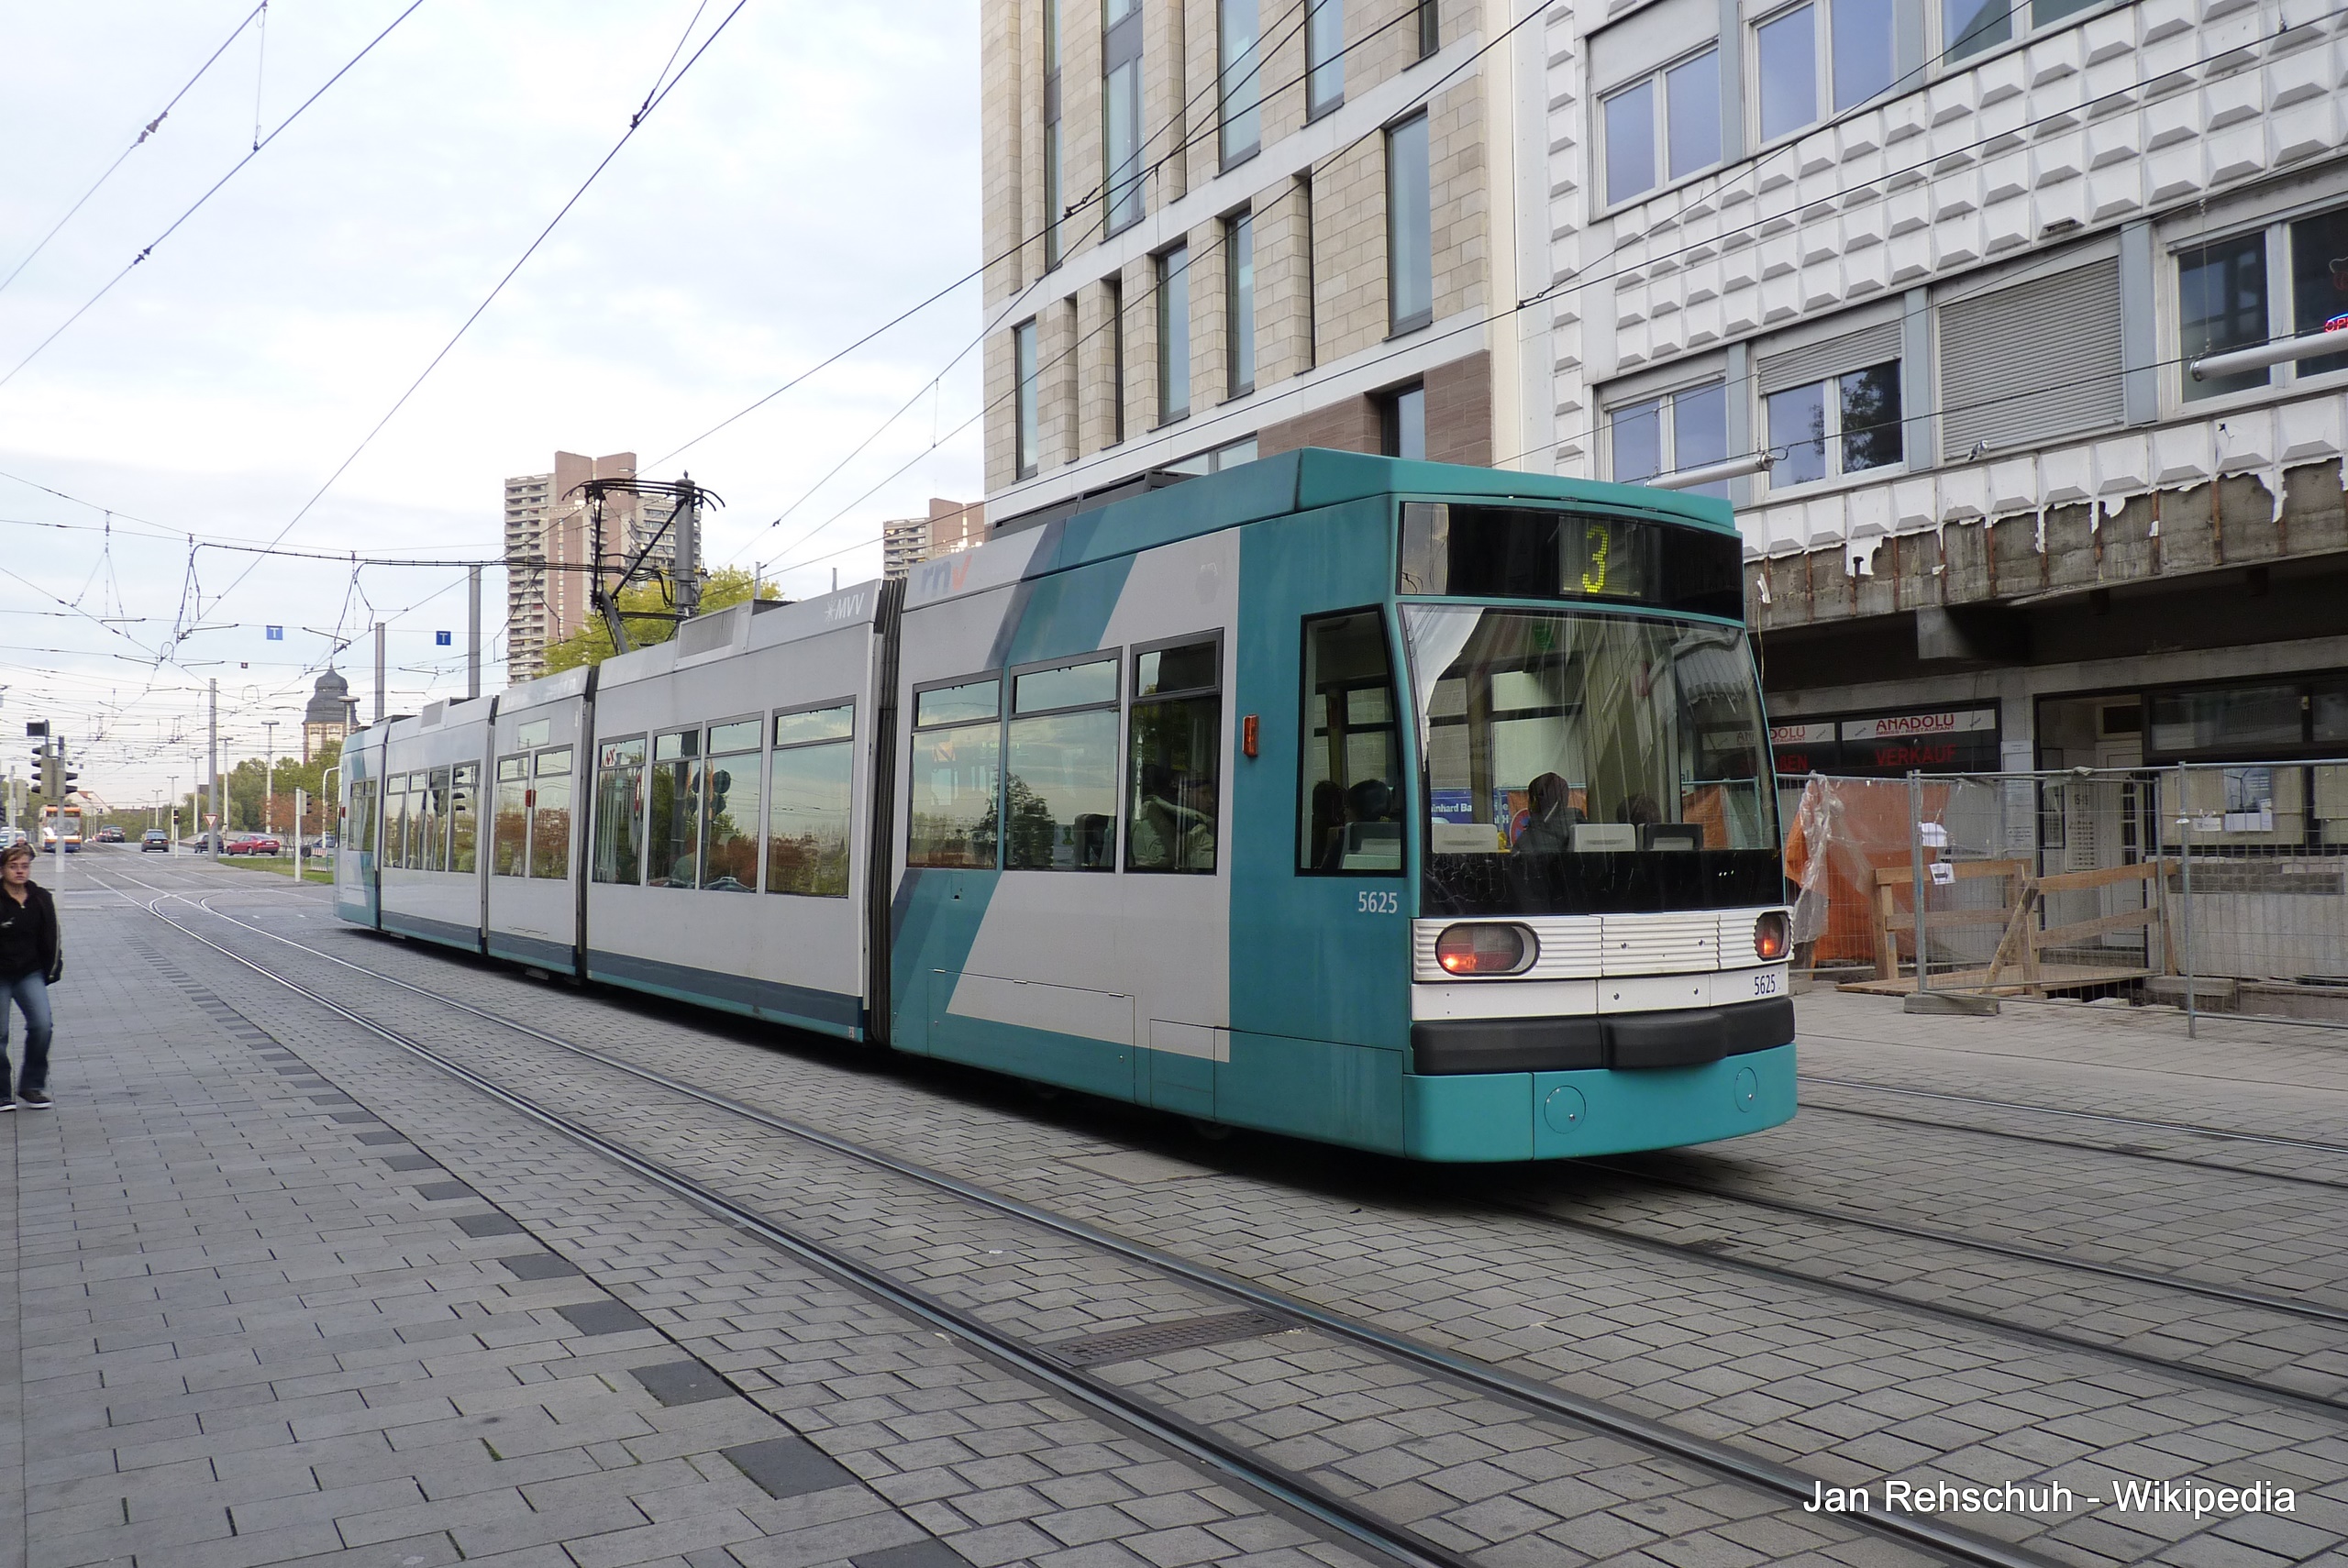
[1594,1111]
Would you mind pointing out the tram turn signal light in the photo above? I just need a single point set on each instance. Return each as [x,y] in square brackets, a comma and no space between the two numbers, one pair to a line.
[1769,935]
[1485,950]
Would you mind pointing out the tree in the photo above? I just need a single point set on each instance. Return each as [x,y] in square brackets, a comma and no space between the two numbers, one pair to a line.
[591,644]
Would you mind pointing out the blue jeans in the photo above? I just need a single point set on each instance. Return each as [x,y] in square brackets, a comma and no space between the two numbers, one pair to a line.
[31,993]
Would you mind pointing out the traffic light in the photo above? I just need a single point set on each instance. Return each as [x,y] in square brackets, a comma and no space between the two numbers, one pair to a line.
[69,773]
[41,770]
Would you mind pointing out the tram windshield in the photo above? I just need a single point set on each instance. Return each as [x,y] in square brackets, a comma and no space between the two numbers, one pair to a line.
[1581,762]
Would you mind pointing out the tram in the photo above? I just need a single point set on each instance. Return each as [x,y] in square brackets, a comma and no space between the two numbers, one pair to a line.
[1418,808]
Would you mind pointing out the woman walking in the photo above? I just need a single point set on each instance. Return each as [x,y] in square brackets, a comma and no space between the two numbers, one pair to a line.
[30,962]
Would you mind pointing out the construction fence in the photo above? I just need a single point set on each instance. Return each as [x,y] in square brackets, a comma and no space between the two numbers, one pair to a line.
[2218,889]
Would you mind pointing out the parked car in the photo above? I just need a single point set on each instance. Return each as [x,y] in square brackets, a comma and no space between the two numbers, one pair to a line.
[262,844]
[154,838]
[236,844]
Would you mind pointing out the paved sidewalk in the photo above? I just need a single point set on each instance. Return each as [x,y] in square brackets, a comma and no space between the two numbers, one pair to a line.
[247,1323]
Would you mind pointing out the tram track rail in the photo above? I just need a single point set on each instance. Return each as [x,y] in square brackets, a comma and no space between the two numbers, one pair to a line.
[1715,1254]
[1357,1527]
[2007,1135]
[2194,1129]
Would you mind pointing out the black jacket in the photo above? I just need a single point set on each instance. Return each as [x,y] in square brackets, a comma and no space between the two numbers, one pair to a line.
[39,940]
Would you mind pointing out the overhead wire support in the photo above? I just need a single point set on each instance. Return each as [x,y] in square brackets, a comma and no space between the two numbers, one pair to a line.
[215,190]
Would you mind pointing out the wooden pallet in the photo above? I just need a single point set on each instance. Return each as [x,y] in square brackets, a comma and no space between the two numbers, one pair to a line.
[2051,977]
[2015,967]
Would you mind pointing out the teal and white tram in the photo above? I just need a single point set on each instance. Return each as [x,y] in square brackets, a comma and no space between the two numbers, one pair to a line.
[1418,808]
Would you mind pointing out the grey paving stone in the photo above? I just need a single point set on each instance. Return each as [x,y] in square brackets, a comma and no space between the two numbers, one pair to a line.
[480,1225]
[601,1316]
[538,1265]
[442,1191]
[788,1466]
[681,1382]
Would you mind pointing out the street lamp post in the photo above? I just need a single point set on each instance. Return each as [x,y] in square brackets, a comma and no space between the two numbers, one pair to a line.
[269,776]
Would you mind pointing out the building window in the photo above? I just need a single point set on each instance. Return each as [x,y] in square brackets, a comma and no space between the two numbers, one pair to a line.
[1240,85]
[1175,752]
[1239,302]
[1022,355]
[1174,334]
[1844,425]
[1053,200]
[1060,771]
[1325,57]
[2225,297]
[2221,304]
[1402,424]
[1670,433]
[812,774]
[1851,51]
[1121,110]
[1230,455]
[1430,28]
[1114,291]
[2319,282]
[1676,110]
[1410,269]
[2031,362]
[1968,26]
[1312,345]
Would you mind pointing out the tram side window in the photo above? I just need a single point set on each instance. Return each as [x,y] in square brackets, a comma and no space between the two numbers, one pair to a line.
[464,807]
[1173,775]
[1060,772]
[510,830]
[360,834]
[1350,810]
[395,824]
[619,812]
[730,808]
[809,781]
[674,837]
[550,813]
[436,821]
[954,766]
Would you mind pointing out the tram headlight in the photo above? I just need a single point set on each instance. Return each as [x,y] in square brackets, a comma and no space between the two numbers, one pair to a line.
[1769,935]
[1486,949]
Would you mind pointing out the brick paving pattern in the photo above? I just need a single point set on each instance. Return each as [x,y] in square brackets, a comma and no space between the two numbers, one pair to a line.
[1847,1392]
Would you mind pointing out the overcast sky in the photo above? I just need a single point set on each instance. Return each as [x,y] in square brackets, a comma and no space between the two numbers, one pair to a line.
[814,174]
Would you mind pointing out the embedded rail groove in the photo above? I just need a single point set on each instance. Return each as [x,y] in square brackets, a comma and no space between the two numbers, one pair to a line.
[2314,1311]
[2125,1151]
[1922,1532]
[2195,1127]
[2233,1382]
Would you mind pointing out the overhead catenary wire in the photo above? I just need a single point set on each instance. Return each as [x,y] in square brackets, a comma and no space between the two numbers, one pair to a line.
[145,134]
[659,96]
[215,190]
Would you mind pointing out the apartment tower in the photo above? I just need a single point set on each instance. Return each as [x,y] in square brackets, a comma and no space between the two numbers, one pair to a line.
[550,543]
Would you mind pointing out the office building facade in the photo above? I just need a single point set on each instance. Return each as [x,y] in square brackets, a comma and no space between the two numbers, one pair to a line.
[1221,228]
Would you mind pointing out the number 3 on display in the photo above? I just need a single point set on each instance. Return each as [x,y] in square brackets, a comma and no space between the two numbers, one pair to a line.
[1378,903]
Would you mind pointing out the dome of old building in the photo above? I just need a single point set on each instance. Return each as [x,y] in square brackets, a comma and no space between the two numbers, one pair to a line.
[329,701]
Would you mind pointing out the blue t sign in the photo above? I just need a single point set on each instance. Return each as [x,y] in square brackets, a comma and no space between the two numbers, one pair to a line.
[276,634]
[439,639]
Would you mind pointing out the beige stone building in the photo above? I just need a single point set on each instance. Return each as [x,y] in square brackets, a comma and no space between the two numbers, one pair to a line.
[550,534]
[1225,228]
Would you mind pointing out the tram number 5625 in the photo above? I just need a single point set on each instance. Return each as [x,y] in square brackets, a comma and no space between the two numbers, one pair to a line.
[1378,903]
